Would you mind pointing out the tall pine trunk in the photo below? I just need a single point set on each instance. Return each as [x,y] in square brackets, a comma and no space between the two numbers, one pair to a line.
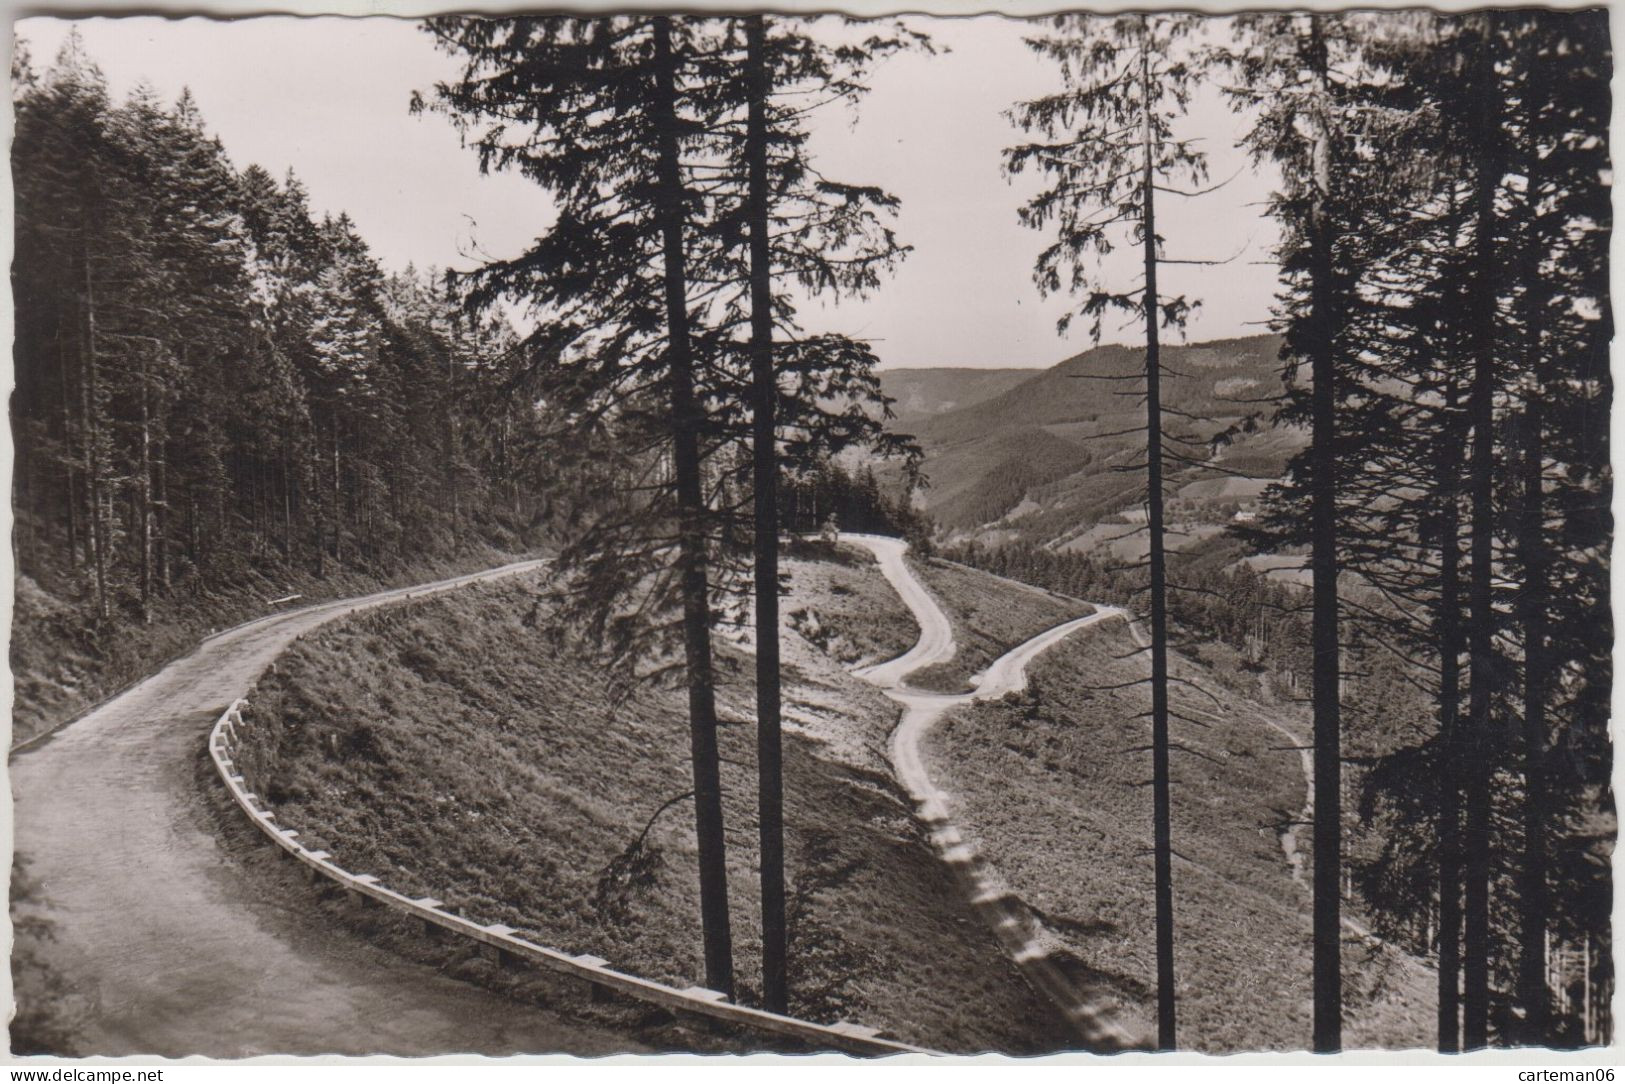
[317,521]
[89,396]
[1480,596]
[1327,670]
[1452,747]
[1162,842]
[338,495]
[69,452]
[692,563]
[144,495]
[160,510]
[1532,600]
[765,471]
[453,447]
[1532,904]
[287,456]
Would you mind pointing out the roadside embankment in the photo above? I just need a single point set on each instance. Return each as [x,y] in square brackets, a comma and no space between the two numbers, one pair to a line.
[452,750]
[64,660]
[989,616]
[1053,780]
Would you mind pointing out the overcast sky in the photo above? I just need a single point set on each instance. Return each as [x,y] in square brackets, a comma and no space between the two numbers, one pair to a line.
[328,97]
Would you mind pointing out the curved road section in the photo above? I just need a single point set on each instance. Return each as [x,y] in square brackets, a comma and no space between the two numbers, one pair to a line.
[1093,1015]
[164,950]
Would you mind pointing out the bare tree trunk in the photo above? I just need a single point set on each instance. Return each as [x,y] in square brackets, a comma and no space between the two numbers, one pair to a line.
[191,531]
[144,495]
[1162,818]
[1328,756]
[1532,601]
[1532,904]
[1481,600]
[764,449]
[288,497]
[1451,744]
[319,539]
[160,506]
[453,449]
[93,488]
[338,496]
[287,507]
[69,443]
[692,558]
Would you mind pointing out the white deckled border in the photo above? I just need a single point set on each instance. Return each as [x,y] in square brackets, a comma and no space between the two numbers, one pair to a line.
[502,944]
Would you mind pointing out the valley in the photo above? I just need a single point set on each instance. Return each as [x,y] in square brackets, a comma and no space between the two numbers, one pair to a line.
[453,748]
[487,581]
[1048,460]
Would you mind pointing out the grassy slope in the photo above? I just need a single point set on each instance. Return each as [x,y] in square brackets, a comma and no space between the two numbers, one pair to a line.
[990,615]
[62,664]
[922,393]
[448,749]
[1069,404]
[840,604]
[1052,780]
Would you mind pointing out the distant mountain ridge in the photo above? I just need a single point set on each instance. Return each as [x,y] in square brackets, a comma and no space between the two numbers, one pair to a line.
[925,393]
[1055,458]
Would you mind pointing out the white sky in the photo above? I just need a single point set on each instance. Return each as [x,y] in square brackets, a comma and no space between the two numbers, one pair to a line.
[328,97]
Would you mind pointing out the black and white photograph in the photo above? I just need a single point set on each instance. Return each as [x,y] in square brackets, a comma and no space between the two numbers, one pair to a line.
[713,530]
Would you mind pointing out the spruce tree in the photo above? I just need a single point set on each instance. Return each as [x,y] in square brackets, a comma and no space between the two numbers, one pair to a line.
[813,397]
[1109,150]
[600,113]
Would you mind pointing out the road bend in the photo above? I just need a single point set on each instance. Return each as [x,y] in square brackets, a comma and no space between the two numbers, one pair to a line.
[1093,1013]
[162,946]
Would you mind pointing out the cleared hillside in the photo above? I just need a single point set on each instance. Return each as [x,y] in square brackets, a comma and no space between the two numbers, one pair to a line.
[450,749]
[1057,454]
[1052,783]
[925,393]
[989,614]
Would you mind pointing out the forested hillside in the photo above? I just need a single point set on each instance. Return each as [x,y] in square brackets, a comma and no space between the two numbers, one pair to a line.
[1434,458]
[923,393]
[222,399]
[1048,458]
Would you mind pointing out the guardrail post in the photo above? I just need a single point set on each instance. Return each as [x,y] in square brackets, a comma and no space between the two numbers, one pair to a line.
[707,1010]
[496,953]
[707,1022]
[361,897]
[597,992]
[431,928]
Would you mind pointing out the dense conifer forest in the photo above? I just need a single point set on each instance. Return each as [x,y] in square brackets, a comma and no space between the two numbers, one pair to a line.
[208,374]
[224,403]
[219,390]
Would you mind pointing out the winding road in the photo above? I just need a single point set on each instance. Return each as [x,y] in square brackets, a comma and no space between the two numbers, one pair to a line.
[1092,1013]
[161,947]
[164,949]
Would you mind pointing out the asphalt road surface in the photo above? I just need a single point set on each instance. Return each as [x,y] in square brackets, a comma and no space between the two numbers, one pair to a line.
[1097,1019]
[163,947]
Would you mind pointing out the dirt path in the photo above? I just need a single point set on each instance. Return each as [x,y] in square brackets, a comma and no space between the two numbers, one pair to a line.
[163,949]
[1093,1014]
[1289,833]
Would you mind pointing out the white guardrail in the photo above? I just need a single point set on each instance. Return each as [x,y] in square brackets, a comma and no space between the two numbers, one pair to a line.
[501,944]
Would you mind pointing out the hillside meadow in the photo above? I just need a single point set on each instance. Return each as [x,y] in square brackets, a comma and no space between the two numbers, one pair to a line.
[1053,785]
[450,749]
